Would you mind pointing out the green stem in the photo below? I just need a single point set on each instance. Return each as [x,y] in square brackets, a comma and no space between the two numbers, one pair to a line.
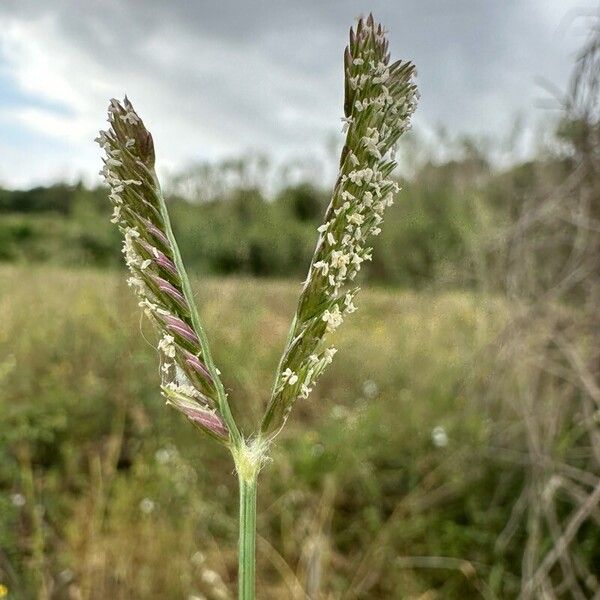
[247,540]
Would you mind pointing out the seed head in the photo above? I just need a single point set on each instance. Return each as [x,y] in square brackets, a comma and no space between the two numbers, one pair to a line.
[379,101]
[188,378]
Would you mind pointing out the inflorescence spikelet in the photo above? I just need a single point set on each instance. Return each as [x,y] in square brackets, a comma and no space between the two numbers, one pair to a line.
[189,380]
[379,101]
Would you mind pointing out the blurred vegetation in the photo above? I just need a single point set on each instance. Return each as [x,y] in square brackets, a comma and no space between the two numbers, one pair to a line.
[404,471]
[241,230]
[110,495]
[400,473]
[451,451]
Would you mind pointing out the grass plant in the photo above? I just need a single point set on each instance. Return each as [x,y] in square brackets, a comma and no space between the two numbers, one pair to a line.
[380,98]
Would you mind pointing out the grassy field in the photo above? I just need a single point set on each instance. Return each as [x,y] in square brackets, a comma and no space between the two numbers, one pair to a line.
[383,486]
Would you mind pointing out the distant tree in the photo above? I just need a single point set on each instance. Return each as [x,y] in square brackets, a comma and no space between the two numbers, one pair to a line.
[304,201]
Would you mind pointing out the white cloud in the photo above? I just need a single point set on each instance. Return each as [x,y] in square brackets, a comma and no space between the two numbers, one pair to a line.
[212,79]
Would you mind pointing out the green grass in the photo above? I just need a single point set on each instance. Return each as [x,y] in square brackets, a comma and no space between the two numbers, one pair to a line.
[123,498]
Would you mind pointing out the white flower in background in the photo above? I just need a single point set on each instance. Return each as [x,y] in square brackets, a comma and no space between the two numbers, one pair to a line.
[147,506]
[165,455]
[370,389]
[18,500]
[439,437]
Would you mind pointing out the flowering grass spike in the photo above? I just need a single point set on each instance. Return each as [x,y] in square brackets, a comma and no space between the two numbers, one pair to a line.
[189,380]
[379,100]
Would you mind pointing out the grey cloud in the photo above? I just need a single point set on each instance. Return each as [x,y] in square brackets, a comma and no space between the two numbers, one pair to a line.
[267,74]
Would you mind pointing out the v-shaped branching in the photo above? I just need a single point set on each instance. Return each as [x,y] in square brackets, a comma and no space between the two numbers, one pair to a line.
[379,101]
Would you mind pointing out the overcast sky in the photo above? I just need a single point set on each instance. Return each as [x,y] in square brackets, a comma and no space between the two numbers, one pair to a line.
[213,79]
